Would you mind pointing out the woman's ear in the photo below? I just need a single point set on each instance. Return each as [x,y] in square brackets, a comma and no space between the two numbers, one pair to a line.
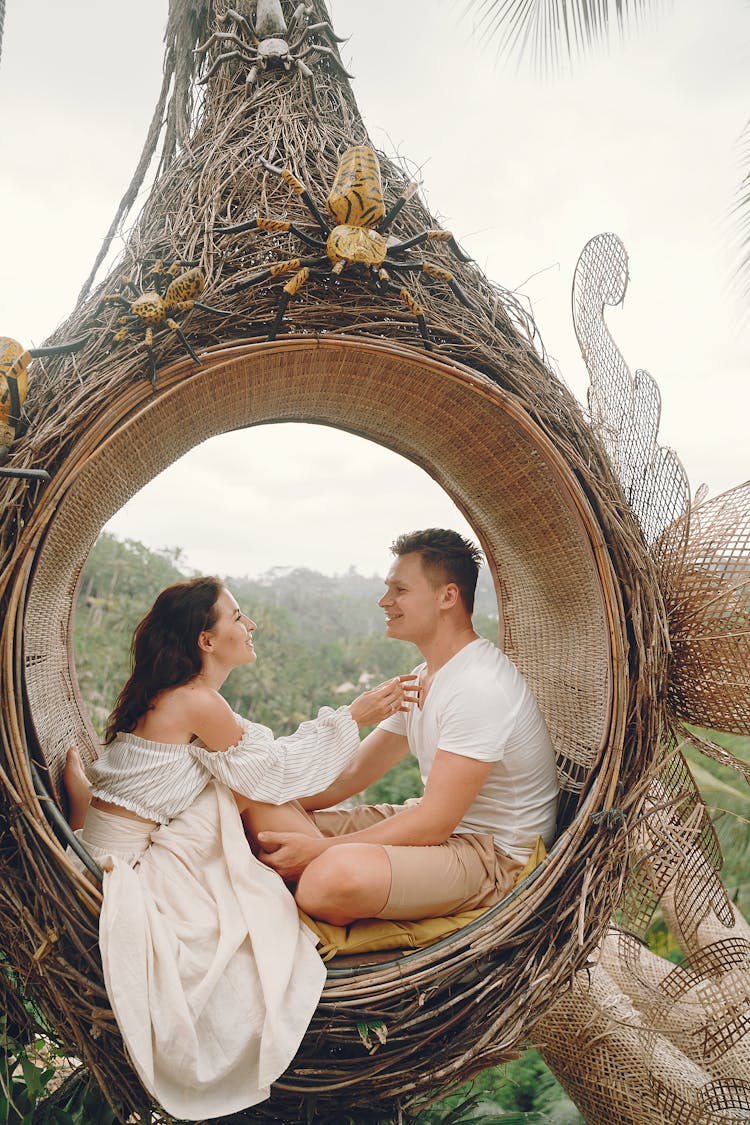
[205,641]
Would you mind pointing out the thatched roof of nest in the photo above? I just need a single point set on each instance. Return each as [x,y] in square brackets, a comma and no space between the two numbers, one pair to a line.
[581,603]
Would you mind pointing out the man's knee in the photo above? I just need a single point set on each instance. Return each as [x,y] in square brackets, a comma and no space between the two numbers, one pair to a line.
[343,878]
[335,875]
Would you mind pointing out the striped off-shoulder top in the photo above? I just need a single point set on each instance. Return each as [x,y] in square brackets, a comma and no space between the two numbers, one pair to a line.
[158,780]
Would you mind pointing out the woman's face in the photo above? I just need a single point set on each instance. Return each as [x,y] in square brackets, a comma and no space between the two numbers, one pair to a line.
[230,639]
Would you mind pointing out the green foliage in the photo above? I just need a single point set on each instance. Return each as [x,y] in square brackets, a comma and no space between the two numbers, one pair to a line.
[395,787]
[40,1086]
[522,1092]
[660,940]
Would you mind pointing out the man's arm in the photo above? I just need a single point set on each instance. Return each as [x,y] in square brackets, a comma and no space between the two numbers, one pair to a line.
[453,784]
[378,753]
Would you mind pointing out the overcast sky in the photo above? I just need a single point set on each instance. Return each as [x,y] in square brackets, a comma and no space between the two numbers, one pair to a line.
[640,140]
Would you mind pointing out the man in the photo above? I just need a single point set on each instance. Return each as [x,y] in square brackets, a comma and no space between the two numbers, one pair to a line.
[484,752]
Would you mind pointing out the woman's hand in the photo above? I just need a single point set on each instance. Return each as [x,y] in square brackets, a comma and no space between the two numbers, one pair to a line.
[398,694]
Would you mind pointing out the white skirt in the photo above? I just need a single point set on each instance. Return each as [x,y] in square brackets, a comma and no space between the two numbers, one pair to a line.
[211,975]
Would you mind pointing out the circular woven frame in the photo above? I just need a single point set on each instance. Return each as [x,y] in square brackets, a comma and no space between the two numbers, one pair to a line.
[562,619]
[580,605]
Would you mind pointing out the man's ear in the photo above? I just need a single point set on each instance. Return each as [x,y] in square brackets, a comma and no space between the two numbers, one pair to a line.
[450,596]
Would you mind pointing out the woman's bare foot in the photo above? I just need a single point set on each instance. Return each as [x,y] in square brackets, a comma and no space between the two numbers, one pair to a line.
[77,787]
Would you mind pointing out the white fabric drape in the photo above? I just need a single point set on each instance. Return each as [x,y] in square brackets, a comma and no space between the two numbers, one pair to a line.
[211,975]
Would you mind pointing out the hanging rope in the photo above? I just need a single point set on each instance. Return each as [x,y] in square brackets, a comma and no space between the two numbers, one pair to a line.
[187,26]
[2,24]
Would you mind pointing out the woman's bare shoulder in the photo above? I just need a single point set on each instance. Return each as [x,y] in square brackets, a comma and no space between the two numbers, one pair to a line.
[209,715]
[182,714]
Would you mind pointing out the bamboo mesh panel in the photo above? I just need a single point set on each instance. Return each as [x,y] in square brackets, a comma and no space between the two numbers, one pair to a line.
[625,409]
[708,597]
[703,551]
[645,1042]
[642,1041]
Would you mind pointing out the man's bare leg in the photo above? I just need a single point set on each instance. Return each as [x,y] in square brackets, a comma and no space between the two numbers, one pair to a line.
[77,787]
[345,883]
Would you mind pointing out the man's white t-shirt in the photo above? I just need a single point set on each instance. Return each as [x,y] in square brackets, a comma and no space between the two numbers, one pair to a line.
[480,706]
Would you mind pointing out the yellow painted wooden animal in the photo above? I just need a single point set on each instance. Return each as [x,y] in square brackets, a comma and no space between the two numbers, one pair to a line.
[356,241]
[14,385]
[151,309]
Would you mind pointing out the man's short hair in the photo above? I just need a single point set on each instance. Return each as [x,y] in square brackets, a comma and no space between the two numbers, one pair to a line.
[446,557]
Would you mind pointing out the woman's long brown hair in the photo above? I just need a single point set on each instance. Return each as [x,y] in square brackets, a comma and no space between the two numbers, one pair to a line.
[165,652]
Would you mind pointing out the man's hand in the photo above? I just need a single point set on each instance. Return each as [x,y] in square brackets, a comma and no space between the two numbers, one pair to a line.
[289,853]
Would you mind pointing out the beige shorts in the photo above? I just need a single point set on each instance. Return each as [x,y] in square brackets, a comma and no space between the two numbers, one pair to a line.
[467,872]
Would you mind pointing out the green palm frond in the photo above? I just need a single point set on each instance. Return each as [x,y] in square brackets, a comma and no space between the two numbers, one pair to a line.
[714,789]
[550,30]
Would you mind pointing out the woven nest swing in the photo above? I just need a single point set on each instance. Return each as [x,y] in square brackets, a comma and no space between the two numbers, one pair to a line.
[589,585]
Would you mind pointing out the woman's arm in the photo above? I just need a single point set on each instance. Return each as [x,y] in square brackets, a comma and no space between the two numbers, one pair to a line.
[378,753]
[277,770]
[210,717]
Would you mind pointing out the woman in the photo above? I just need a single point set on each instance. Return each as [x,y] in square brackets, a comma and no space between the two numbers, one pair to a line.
[211,975]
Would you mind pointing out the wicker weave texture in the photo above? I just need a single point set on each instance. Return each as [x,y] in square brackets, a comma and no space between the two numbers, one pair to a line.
[708,597]
[625,409]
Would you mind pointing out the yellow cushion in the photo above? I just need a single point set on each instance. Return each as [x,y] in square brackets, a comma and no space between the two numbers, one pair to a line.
[539,852]
[372,934]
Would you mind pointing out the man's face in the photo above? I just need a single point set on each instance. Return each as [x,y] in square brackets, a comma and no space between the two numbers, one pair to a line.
[411,602]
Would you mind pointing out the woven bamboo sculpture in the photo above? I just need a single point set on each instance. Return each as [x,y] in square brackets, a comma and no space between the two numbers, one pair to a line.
[625,607]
